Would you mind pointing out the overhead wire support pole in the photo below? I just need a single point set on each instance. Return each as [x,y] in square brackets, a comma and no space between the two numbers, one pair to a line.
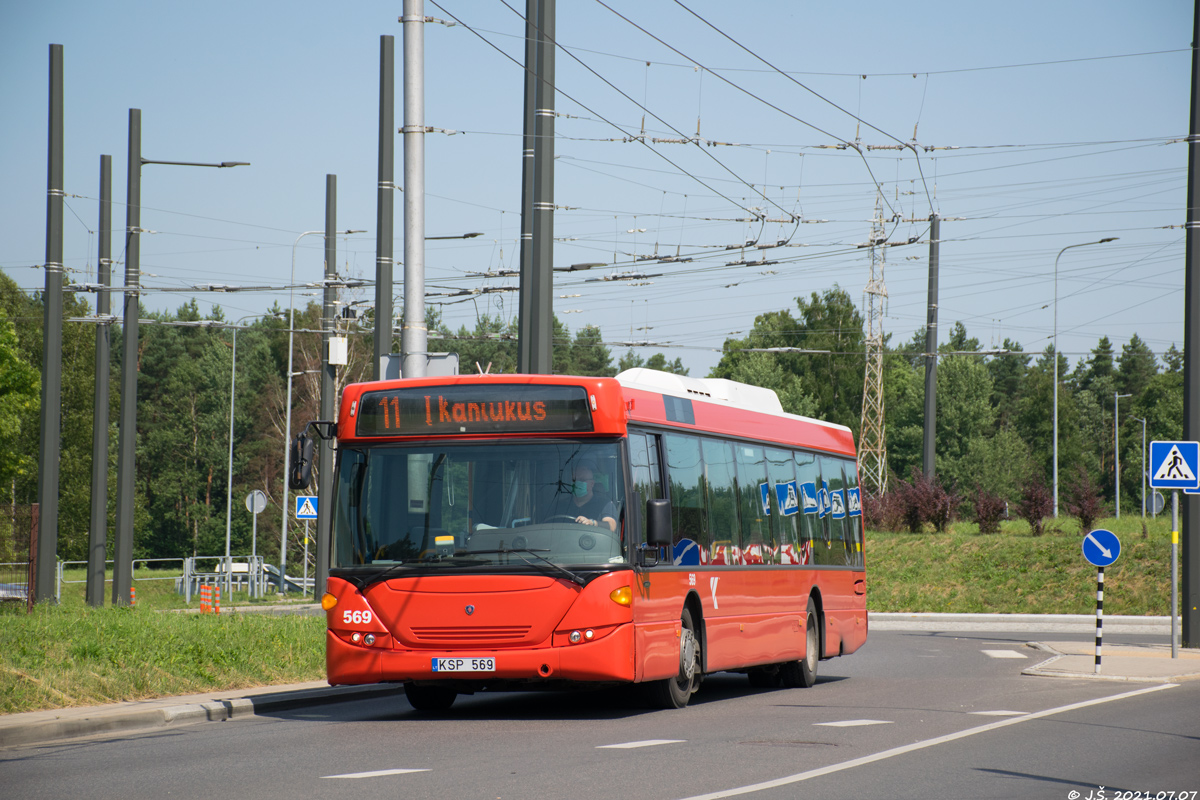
[536,322]
[384,210]
[931,336]
[528,176]
[1191,348]
[49,447]
[98,530]
[328,392]
[127,435]
[414,335]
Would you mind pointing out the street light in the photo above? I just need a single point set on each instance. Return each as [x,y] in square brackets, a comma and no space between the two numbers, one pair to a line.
[229,485]
[1143,421]
[127,438]
[287,436]
[1060,252]
[1117,447]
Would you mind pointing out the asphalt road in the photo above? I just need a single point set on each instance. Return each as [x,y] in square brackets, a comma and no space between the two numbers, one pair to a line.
[913,714]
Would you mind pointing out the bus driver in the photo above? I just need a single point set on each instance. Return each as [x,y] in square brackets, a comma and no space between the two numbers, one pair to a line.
[587,507]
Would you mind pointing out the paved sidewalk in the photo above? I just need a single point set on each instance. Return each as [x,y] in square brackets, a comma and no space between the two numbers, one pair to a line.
[1140,663]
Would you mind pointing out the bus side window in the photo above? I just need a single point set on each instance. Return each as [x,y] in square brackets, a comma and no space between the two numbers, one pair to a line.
[647,480]
[725,542]
[854,520]
[685,471]
[808,482]
[785,506]
[757,541]
[831,474]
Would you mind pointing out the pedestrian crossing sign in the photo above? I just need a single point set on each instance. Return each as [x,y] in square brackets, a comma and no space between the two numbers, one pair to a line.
[1175,465]
[306,507]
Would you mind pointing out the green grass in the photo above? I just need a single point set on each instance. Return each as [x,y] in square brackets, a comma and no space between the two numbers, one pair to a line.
[73,655]
[1013,572]
[60,656]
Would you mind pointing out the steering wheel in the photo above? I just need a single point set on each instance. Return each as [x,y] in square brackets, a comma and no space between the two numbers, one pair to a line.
[560,518]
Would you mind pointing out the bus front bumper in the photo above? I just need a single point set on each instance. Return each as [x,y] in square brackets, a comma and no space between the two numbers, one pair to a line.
[607,659]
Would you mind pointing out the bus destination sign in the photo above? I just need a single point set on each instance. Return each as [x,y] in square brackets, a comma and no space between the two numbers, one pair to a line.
[467,409]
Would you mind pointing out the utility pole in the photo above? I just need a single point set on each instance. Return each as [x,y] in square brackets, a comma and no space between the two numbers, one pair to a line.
[98,535]
[1191,347]
[383,208]
[328,392]
[929,451]
[872,448]
[535,342]
[52,322]
[414,336]
[127,435]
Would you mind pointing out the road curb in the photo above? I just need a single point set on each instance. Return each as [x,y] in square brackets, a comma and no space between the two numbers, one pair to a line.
[67,725]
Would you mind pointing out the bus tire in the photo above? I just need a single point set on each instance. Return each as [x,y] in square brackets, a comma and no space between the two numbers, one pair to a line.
[429,698]
[802,674]
[677,691]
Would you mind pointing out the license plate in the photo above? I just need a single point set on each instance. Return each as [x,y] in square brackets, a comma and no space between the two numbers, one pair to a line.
[464,665]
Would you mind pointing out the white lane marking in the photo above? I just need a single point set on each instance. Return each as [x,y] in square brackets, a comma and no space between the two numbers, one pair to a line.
[643,743]
[854,723]
[375,774]
[998,713]
[1003,654]
[909,748]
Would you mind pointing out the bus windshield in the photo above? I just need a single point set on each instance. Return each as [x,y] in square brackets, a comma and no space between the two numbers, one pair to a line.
[483,506]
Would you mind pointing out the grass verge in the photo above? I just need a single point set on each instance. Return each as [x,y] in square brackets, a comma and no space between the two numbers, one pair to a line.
[58,656]
[73,655]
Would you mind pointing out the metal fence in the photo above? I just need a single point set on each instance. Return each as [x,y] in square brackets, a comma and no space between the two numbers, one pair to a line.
[17,535]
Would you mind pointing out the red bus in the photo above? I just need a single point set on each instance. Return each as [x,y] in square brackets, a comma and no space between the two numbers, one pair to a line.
[511,532]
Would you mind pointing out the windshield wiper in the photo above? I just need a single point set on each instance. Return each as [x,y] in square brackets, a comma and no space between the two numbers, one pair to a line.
[579,579]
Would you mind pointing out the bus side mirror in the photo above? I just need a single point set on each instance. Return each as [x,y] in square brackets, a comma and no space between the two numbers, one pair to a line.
[300,471]
[658,523]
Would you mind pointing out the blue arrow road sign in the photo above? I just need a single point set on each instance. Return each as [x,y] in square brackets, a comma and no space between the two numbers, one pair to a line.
[306,507]
[1175,465]
[1101,547]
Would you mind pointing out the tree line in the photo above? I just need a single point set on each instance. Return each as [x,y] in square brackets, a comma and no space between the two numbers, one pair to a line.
[994,411]
[185,377]
[993,427]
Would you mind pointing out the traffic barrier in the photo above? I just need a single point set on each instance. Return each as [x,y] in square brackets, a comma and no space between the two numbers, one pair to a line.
[132,596]
[210,599]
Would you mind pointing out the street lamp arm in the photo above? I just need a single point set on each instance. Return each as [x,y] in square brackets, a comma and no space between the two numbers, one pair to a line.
[221,165]
[1056,258]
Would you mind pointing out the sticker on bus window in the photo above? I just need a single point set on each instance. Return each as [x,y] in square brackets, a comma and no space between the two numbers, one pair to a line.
[808,498]
[837,504]
[853,503]
[823,504]
[789,499]
[788,554]
[764,493]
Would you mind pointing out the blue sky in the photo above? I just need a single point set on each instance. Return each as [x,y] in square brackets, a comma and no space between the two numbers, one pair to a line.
[1064,117]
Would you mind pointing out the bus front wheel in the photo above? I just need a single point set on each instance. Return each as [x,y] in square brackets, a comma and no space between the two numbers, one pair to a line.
[429,698]
[676,692]
[803,673]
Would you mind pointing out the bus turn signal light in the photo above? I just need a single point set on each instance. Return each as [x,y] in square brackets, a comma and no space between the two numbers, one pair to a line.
[328,601]
[622,596]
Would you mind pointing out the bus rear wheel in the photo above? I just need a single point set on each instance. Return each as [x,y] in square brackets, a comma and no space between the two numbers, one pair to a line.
[677,691]
[802,674]
[429,698]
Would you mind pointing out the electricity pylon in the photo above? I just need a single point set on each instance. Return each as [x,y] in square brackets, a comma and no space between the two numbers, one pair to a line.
[872,447]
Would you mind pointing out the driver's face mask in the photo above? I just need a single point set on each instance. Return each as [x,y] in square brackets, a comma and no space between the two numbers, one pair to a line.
[580,488]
